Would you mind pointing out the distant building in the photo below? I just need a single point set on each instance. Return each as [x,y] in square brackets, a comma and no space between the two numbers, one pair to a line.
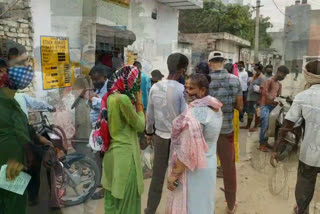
[297,31]
[202,44]
[240,2]
[314,35]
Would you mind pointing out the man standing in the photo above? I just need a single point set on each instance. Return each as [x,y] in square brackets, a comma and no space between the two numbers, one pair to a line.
[227,88]
[166,102]
[243,75]
[306,105]
[145,85]
[271,90]
[254,96]
[156,76]
[99,75]
[269,71]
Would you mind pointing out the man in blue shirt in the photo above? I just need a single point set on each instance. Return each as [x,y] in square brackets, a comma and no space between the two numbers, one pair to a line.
[145,85]
[99,75]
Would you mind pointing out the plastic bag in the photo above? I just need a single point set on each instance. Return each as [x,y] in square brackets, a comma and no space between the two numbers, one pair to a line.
[147,158]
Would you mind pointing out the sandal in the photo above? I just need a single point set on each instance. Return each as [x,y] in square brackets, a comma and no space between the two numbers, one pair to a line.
[263,148]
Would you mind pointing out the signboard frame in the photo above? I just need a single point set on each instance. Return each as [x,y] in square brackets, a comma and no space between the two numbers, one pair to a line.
[42,65]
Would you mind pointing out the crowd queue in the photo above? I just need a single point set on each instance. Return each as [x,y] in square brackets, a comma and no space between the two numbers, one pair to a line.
[191,125]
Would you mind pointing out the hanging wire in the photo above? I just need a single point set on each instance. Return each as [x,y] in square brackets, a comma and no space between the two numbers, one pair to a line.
[278,8]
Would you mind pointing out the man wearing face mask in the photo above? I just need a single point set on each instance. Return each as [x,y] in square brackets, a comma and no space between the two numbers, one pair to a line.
[99,75]
[14,132]
[254,96]
[166,102]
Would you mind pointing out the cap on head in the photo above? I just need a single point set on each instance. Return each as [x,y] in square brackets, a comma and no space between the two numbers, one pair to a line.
[218,55]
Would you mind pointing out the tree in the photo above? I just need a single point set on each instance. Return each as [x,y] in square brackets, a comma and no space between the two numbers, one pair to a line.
[231,18]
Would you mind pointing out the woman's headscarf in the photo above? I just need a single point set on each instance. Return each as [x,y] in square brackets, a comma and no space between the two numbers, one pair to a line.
[124,81]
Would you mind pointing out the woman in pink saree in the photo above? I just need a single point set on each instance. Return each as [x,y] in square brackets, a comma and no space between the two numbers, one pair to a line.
[193,162]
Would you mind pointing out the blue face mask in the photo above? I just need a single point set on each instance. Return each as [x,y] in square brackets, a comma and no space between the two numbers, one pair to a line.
[20,77]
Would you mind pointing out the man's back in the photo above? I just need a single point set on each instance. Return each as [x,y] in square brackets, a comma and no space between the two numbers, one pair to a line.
[225,87]
[166,102]
[307,105]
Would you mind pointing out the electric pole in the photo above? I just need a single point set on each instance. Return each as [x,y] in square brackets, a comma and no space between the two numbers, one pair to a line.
[256,38]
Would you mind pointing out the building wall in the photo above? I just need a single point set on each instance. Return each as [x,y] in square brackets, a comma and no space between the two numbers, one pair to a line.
[16,25]
[204,43]
[314,37]
[155,37]
[297,28]
[240,2]
[230,50]
[278,43]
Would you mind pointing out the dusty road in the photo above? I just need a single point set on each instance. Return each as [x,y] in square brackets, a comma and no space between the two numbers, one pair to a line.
[255,177]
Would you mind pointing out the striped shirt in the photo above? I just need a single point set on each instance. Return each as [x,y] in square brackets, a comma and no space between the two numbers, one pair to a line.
[225,87]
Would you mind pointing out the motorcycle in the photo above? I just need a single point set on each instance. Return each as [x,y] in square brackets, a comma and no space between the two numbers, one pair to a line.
[278,180]
[76,175]
[276,121]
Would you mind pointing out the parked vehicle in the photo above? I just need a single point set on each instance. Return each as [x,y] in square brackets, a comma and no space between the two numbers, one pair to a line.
[76,175]
[276,121]
[278,180]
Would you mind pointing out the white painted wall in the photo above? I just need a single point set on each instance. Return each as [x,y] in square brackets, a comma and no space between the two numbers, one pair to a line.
[230,49]
[155,38]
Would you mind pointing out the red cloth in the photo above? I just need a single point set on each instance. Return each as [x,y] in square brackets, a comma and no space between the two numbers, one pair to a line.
[4,80]
[235,70]
[107,60]
[124,81]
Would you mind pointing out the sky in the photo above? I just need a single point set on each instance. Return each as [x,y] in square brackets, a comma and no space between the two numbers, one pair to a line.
[277,18]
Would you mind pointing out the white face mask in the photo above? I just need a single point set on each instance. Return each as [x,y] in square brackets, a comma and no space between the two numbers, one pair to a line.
[254,72]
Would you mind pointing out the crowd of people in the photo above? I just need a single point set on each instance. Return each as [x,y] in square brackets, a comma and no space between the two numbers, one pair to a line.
[189,119]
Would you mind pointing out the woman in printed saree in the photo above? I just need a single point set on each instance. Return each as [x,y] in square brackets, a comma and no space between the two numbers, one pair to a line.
[122,173]
[193,163]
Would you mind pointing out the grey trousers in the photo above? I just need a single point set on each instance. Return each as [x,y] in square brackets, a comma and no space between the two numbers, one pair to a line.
[160,165]
[306,182]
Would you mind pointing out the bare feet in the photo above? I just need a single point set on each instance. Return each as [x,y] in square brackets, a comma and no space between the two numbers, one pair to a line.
[233,211]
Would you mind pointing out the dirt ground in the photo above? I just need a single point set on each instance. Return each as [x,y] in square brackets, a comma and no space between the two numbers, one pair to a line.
[262,189]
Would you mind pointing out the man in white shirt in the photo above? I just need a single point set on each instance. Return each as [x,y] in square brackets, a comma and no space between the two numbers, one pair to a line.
[166,102]
[307,105]
[244,79]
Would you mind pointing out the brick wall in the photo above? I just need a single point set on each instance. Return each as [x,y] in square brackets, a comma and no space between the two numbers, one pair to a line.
[16,25]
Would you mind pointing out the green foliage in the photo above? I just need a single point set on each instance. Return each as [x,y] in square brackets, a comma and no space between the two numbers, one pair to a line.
[231,18]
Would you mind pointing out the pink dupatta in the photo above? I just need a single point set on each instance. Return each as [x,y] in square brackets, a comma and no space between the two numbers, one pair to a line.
[189,146]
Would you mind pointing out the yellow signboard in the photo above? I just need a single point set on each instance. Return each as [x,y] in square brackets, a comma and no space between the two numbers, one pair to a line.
[125,3]
[55,62]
